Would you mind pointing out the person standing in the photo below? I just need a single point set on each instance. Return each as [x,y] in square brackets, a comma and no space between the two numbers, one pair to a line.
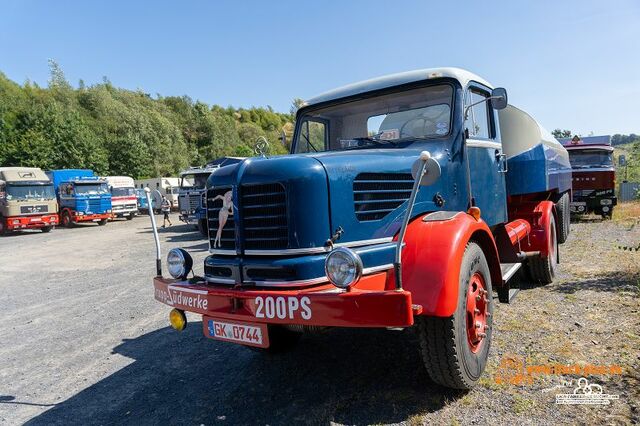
[166,209]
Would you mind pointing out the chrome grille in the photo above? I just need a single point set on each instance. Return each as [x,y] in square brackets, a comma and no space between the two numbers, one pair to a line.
[264,217]
[227,239]
[375,195]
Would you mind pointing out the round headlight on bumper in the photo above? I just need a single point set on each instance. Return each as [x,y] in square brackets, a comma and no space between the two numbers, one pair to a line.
[179,263]
[343,267]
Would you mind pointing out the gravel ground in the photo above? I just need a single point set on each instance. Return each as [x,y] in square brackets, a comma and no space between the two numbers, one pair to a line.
[84,342]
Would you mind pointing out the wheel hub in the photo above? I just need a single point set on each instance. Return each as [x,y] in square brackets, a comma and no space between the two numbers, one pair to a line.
[477,312]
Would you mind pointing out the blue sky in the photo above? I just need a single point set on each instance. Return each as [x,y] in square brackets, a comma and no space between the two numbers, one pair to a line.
[571,64]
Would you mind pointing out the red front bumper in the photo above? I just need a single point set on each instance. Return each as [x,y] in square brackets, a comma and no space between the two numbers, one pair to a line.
[30,222]
[320,306]
[91,217]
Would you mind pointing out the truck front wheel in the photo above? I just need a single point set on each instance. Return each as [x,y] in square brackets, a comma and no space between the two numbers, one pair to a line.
[66,219]
[103,222]
[46,229]
[455,349]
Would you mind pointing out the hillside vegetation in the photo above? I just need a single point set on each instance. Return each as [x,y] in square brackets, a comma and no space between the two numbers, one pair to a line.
[122,132]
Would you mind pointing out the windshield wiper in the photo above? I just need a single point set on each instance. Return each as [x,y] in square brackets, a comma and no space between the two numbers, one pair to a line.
[376,139]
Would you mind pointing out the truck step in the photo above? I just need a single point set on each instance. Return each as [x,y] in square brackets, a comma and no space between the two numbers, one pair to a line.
[506,294]
[509,270]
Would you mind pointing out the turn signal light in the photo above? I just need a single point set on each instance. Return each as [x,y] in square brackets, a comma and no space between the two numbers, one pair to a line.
[474,212]
[177,319]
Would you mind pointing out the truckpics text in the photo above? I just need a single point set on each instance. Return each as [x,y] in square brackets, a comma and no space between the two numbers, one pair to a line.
[82,196]
[594,176]
[124,202]
[27,200]
[407,201]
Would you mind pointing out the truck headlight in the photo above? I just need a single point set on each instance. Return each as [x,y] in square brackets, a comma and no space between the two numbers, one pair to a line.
[343,267]
[179,263]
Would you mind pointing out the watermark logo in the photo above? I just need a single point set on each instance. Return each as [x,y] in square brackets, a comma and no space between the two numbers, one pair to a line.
[586,394]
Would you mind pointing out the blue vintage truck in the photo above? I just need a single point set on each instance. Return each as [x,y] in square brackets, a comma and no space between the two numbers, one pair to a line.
[82,196]
[408,201]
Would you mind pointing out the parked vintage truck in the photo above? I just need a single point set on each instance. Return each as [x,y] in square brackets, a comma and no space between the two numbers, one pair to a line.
[167,186]
[82,196]
[27,200]
[407,202]
[124,203]
[191,199]
[594,176]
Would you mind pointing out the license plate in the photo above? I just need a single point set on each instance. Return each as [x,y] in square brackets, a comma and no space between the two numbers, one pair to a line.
[238,332]
[95,220]
[578,203]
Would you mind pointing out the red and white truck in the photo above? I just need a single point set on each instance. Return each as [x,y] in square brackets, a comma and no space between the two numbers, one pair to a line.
[124,203]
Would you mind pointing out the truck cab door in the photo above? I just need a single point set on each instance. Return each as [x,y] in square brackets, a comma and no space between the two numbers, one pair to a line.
[487,162]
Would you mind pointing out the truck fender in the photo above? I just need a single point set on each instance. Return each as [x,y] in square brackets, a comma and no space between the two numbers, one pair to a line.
[432,257]
[538,239]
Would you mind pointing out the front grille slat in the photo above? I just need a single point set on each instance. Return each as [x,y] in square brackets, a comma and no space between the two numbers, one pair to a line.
[375,195]
[264,213]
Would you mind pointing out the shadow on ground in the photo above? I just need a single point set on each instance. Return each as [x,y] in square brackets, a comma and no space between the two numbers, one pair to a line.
[614,282]
[347,376]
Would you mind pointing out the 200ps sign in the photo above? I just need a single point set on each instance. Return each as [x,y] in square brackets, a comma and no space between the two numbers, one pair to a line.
[283,307]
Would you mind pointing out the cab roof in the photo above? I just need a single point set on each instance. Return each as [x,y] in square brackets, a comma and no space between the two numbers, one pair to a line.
[399,79]
[22,174]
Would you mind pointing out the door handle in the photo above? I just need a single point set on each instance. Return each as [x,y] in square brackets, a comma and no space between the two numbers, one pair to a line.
[501,158]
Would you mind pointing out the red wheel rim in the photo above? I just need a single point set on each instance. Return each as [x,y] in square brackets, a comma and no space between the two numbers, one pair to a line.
[477,312]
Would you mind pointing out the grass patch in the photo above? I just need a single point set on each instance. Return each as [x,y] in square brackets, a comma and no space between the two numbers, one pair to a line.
[627,214]
[522,405]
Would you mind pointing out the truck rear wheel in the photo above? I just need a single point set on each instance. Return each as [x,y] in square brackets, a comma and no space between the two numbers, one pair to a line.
[66,219]
[455,349]
[564,217]
[3,228]
[543,269]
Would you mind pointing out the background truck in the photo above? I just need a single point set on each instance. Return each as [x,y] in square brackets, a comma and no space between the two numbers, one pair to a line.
[167,186]
[124,202]
[192,192]
[82,196]
[407,202]
[27,200]
[594,176]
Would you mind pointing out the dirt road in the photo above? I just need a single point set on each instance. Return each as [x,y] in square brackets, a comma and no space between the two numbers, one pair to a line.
[83,342]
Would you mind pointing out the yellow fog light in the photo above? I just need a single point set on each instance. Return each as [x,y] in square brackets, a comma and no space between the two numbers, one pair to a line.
[177,319]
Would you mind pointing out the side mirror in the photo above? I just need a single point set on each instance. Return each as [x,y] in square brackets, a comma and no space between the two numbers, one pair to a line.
[622,161]
[499,98]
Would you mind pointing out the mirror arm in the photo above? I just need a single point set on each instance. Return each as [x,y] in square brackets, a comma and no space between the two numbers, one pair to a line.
[468,107]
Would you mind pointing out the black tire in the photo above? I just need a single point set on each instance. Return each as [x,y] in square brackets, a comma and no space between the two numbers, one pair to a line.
[103,222]
[280,340]
[65,219]
[542,270]
[564,217]
[46,229]
[450,357]
[202,228]
[129,217]
[3,227]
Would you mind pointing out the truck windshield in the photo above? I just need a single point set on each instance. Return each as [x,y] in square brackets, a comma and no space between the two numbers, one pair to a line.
[194,181]
[91,188]
[393,119]
[122,192]
[589,158]
[29,192]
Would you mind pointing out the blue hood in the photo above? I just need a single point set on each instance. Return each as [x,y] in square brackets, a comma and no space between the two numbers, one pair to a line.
[325,191]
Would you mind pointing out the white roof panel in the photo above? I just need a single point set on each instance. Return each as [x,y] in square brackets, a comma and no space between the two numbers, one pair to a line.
[392,80]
